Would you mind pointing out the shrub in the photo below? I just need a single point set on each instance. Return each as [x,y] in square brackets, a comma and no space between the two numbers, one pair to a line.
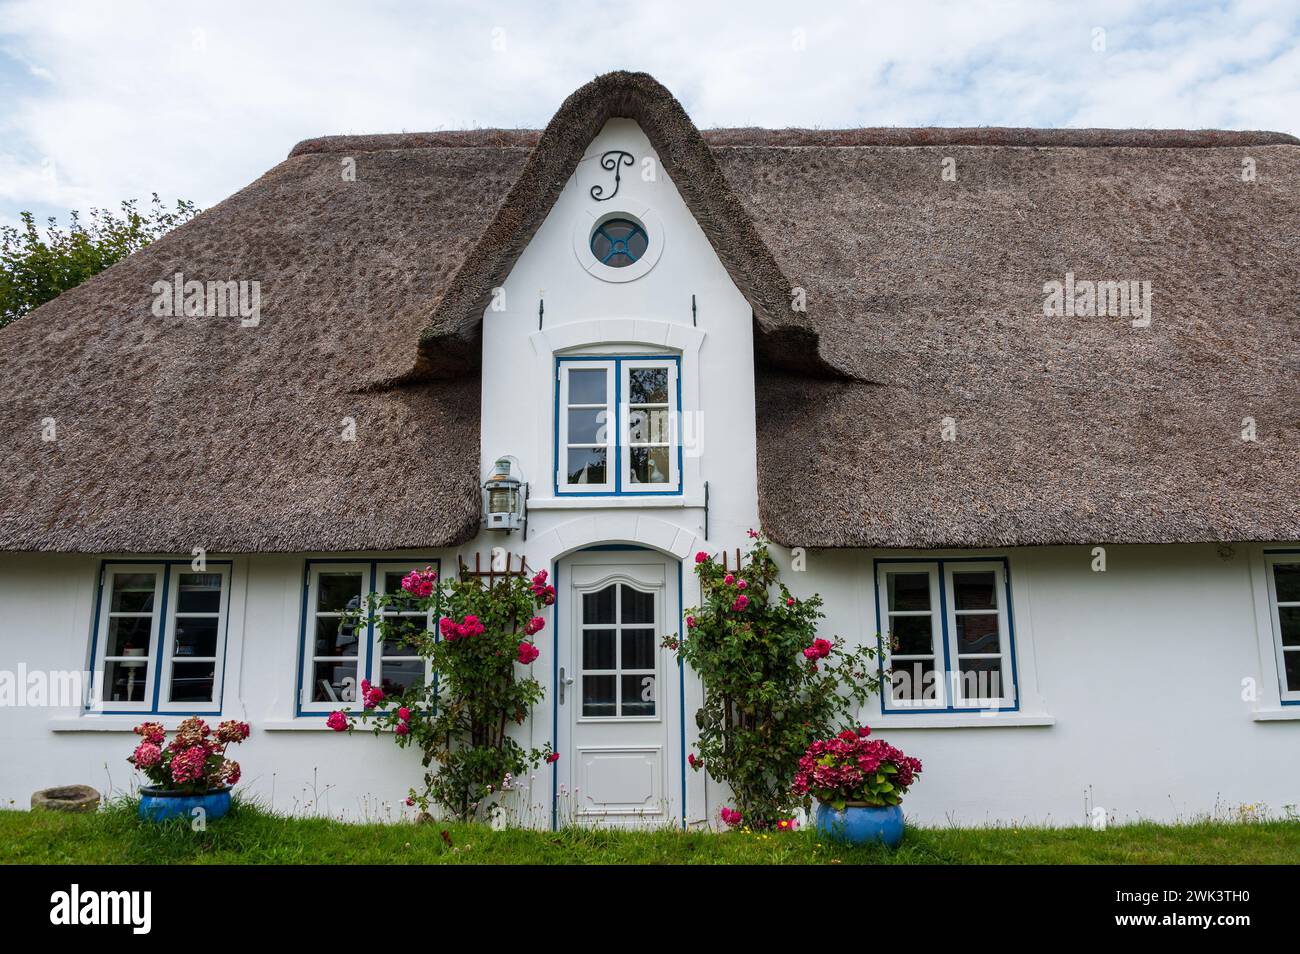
[853,768]
[771,684]
[194,761]
[462,719]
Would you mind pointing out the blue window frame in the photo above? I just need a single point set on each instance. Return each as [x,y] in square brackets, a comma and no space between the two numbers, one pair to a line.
[947,635]
[1282,580]
[158,637]
[333,656]
[617,421]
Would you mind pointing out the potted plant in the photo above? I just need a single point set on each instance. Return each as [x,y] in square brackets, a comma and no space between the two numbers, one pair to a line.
[190,772]
[858,783]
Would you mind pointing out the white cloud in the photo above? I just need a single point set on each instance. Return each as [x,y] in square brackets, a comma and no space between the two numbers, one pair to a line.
[125,99]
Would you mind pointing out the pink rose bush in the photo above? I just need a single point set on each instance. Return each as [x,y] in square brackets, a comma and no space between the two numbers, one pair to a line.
[852,768]
[772,683]
[461,723]
[194,761]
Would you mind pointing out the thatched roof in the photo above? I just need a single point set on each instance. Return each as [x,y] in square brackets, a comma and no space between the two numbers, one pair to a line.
[924,301]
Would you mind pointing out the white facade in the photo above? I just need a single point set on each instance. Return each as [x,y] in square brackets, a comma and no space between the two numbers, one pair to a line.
[1131,684]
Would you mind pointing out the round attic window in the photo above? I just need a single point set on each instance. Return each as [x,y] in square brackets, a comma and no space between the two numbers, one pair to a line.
[619,242]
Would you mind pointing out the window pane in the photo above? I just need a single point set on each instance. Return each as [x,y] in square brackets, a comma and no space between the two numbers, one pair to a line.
[193,682]
[598,607]
[333,638]
[199,593]
[586,465]
[647,386]
[124,681]
[908,591]
[974,591]
[638,649]
[1292,662]
[647,426]
[912,635]
[587,386]
[129,635]
[587,425]
[1286,577]
[196,636]
[913,680]
[398,675]
[1289,618]
[598,697]
[337,592]
[977,633]
[650,465]
[639,695]
[334,681]
[981,678]
[598,649]
[638,607]
[132,593]
[400,632]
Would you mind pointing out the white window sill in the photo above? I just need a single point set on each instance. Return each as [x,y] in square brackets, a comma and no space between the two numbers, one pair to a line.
[1280,714]
[613,502]
[123,723]
[961,720]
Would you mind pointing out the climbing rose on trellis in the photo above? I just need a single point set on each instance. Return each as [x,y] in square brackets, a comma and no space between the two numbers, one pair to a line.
[771,685]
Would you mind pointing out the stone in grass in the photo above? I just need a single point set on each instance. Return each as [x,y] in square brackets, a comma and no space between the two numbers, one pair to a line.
[67,798]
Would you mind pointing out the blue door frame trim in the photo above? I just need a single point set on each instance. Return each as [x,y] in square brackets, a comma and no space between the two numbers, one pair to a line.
[555,677]
[167,565]
[618,436]
[374,563]
[943,619]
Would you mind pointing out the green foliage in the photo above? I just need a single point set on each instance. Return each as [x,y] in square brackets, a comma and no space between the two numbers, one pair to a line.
[765,700]
[462,720]
[250,835]
[35,268]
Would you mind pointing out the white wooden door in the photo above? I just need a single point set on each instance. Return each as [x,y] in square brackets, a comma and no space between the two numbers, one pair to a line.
[619,694]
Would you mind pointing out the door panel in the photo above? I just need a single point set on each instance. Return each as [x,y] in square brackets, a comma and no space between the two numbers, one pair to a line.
[616,711]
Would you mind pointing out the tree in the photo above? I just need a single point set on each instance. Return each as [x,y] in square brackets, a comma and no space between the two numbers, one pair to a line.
[35,268]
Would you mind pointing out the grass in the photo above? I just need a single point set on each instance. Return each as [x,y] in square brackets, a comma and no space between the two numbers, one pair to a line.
[252,836]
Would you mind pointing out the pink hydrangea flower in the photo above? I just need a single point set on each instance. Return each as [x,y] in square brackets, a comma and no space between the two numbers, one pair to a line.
[150,732]
[146,755]
[187,766]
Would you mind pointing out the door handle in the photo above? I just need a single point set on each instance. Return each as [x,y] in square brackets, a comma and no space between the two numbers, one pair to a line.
[564,684]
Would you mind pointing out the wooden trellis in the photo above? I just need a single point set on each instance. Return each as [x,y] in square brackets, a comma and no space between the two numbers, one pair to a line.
[491,573]
[739,563]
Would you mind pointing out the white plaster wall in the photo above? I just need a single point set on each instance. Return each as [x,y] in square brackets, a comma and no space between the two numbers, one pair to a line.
[1140,670]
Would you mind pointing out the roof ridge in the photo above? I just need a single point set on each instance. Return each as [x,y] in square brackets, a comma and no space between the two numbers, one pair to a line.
[726,136]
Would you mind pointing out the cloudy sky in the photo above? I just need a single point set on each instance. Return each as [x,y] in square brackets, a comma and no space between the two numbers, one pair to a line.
[103,101]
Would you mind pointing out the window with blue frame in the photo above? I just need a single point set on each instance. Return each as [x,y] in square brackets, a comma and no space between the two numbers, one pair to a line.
[616,429]
[159,637]
[947,635]
[338,651]
[1284,602]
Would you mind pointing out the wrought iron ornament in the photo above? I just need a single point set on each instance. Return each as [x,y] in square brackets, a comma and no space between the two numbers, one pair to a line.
[610,162]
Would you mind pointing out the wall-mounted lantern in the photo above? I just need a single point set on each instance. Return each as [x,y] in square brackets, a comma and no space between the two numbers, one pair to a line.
[503,498]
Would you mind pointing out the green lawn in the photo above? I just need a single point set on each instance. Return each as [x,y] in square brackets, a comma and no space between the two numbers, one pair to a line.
[251,836]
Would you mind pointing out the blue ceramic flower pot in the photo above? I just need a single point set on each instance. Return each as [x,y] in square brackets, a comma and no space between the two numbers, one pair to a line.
[861,824]
[160,804]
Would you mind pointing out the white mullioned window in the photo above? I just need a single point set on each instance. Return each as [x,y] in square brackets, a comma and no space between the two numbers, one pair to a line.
[159,637]
[1284,604]
[947,633]
[344,641]
[617,426]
